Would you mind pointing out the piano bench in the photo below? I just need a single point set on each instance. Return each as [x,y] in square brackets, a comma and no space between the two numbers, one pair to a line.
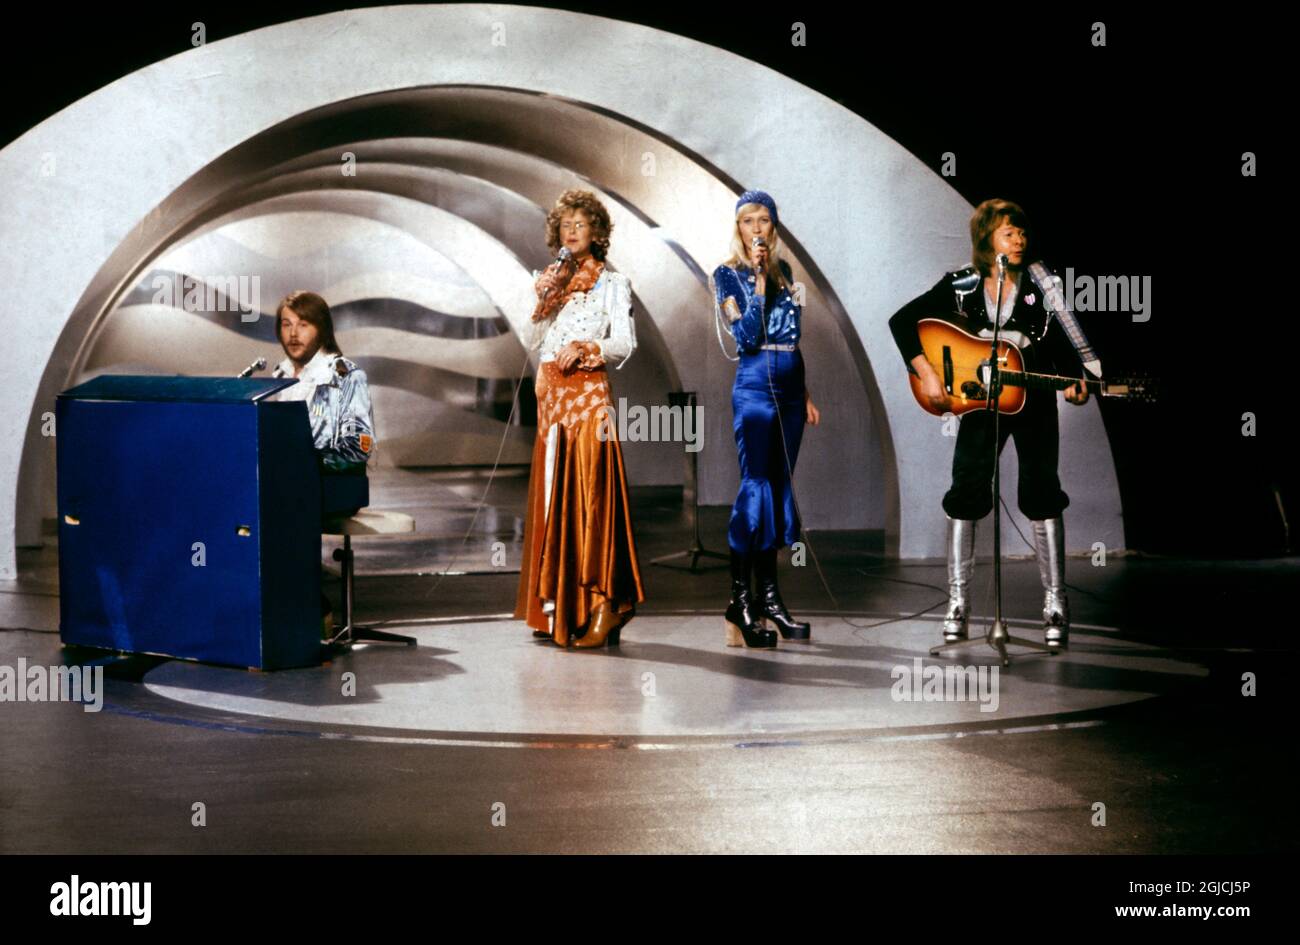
[364,522]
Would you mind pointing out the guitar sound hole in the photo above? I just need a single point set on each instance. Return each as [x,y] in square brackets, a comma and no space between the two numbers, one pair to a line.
[974,391]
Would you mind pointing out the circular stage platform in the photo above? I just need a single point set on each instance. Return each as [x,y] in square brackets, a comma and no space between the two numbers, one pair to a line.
[673,683]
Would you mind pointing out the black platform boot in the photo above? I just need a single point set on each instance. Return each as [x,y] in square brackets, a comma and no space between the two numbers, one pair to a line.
[769,600]
[744,622]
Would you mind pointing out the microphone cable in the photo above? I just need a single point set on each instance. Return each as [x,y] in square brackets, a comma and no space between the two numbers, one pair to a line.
[785,452]
[448,569]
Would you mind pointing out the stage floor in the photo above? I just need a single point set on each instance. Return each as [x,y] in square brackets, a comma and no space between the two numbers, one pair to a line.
[672,684]
[675,742]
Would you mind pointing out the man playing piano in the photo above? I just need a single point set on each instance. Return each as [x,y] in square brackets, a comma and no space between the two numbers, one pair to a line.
[334,388]
[338,406]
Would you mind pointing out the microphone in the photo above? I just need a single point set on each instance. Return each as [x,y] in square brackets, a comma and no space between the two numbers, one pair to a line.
[1002,263]
[561,258]
[757,242]
[257,365]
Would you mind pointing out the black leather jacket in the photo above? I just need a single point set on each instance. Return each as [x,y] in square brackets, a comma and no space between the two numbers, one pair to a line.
[959,298]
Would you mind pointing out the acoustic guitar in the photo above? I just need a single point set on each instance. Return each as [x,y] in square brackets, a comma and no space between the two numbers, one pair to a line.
[961,360]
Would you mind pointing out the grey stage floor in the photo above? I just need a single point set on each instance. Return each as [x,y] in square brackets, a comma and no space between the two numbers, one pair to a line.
[674,742]
[673,684]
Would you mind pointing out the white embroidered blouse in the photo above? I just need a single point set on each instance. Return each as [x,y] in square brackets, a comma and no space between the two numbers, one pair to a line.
[603,316]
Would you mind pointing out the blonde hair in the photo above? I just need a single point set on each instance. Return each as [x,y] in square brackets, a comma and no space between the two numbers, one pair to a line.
[740,252]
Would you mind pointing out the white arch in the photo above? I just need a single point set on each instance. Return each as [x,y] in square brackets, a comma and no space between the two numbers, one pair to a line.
[878,223]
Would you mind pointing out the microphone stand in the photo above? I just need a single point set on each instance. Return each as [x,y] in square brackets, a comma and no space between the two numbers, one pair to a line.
[690,503]
[998,636]
[257,365]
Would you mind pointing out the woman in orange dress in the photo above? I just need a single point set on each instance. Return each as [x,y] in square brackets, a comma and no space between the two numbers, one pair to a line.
[580,581]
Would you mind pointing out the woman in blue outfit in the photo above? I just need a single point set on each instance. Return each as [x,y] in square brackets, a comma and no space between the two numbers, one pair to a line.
[770,404]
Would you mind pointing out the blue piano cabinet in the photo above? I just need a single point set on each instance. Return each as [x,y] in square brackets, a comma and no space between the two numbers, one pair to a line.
[189,520]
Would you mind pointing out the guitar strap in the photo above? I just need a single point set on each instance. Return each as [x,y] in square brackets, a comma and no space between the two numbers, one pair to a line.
[1050,285]
[963,283]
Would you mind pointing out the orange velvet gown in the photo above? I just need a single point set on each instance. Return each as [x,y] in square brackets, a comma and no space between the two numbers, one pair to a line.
[578,545]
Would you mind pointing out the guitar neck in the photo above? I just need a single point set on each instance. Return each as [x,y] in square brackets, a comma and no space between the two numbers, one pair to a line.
[1131,388]
[1047,381]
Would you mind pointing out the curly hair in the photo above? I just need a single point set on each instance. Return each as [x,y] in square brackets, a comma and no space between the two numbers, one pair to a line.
[589,204]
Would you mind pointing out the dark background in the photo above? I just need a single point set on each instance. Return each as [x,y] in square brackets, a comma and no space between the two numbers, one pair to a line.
[1127,159]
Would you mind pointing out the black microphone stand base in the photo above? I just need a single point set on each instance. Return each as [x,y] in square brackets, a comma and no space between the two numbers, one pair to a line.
[695,553]
[999,638]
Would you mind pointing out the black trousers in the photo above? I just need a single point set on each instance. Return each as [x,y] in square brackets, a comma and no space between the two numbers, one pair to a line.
[1037,437]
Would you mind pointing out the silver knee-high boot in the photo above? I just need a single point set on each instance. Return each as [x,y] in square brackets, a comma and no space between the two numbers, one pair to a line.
[961,566]
[1049,546]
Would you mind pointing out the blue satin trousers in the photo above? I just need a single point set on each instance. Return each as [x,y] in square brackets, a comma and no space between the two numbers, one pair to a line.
[768,415]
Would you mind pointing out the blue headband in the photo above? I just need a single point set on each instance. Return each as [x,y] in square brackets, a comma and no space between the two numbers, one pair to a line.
[762,198]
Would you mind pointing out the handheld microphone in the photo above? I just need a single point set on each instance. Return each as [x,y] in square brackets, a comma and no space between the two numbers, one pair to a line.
[756,243]
[561,258]
[257,365]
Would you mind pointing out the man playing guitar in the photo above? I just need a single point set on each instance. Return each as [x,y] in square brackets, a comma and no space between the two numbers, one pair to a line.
[1026,316]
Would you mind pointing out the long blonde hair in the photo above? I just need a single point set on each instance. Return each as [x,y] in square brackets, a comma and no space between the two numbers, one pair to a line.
[740,252]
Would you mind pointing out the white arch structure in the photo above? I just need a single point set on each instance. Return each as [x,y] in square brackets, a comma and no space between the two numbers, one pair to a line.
[876,222]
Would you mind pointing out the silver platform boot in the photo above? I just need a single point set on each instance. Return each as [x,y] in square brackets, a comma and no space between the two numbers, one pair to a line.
[961,566]
[1049,546]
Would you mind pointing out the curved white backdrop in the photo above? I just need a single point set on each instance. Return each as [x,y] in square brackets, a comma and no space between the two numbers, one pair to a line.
[879,225]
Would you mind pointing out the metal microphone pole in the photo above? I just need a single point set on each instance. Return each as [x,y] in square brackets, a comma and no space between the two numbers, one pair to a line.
[690,502]
[998,636]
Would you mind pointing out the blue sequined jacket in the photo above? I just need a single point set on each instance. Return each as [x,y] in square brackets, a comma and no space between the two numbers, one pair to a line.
[775,311]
